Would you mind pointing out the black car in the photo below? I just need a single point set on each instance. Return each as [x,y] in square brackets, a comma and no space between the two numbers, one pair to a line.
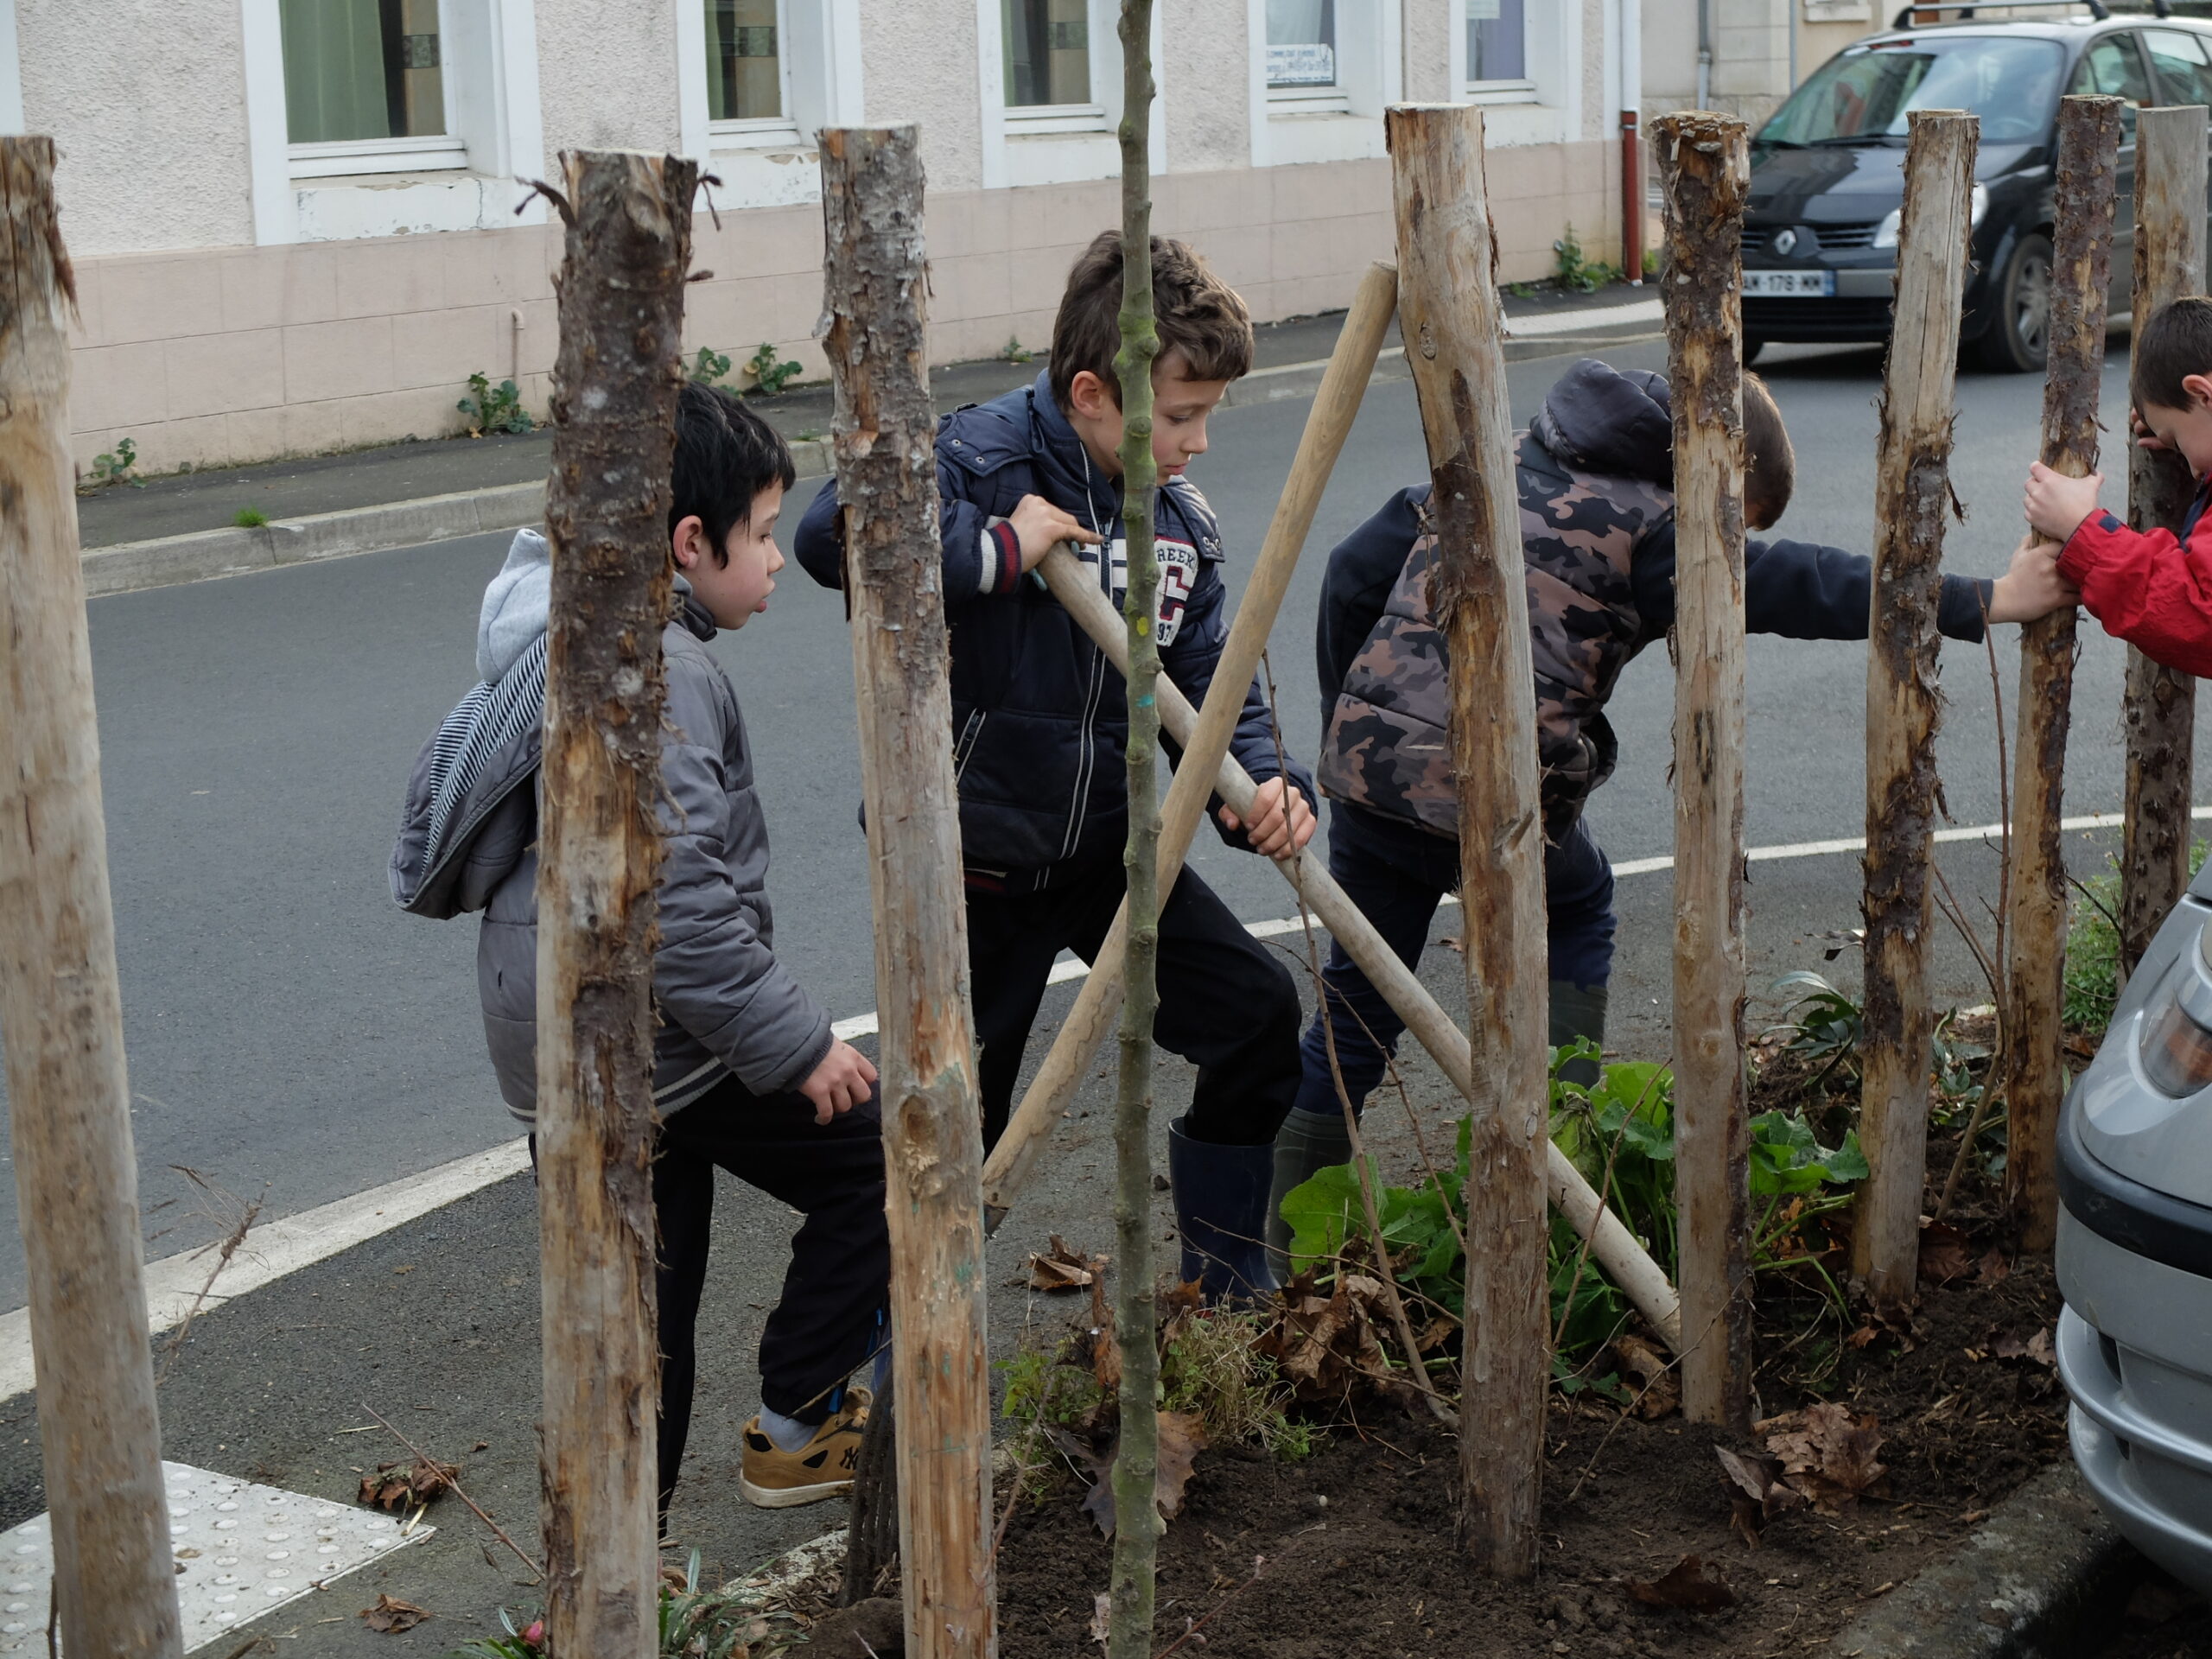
[1828,185]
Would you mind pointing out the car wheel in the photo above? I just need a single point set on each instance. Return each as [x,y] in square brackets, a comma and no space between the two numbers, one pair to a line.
[1753,347]
[2018,340]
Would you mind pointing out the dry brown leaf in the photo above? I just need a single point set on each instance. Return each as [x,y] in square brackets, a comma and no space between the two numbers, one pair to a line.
[1181,1439]
[397,1487]
[1061,1269]
[1691,1585]
[1942,1253]
[1757,1491]
[1657,1392]
[1102,1612]
[391,1615]
[2040,1349]
[1828,1453]
[1993,1269]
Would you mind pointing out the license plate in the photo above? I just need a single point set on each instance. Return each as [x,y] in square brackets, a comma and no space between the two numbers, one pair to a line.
[1791,285]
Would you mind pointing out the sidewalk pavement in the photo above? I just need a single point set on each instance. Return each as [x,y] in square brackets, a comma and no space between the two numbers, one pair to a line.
[182,528]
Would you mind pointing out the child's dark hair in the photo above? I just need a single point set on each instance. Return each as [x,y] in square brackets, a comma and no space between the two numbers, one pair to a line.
[1769,463]
[2175,343]
[725,455]
[1197,313]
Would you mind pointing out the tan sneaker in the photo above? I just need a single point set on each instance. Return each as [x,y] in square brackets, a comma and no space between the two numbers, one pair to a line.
[821,1468]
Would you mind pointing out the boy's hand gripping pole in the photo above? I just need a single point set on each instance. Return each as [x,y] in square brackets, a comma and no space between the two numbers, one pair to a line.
[1205,742]
[1611,1242]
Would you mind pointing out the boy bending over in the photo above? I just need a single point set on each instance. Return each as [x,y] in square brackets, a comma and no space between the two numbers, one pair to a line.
[746,1072]
[1596,472]
[1040,723]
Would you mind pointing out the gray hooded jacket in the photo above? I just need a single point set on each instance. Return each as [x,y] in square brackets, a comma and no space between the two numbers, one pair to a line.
[469,840]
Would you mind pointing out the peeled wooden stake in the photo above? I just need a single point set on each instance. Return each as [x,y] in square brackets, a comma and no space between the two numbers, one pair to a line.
[2088,149]
[2159,714]
[1912,497]
[1704,160]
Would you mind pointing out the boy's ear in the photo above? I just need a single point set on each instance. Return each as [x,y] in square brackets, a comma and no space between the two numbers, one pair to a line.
[687,543]
[2199,388]
[1087,393]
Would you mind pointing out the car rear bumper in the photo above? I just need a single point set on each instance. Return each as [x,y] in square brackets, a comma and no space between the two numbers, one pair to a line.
[2134,1351]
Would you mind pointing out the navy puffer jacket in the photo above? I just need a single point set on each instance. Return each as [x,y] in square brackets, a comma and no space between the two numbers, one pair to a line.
[1039,716]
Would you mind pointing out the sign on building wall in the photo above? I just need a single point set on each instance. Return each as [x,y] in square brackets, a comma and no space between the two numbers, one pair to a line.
[1310,63]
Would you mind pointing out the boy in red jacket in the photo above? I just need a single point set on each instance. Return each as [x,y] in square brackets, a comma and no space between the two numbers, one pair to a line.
[2150,588]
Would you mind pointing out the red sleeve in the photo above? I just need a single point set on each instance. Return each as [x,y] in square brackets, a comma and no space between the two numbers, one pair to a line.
[2146,588]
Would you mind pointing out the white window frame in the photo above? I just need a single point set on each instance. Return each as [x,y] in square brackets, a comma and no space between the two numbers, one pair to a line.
[1549,35]
[488,49]
[1038,143]
[1291,124]
[1318,99]
[702,136]
[819,44]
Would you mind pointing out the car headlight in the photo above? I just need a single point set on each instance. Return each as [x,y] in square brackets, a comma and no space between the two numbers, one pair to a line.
[2177,1045]
[1885,233]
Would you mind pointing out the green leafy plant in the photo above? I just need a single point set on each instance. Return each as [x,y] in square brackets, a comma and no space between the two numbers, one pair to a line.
[732,1622]
[709,367]
[116,466]
[2092,976]
[1824,1025]
[1650,264]
[528,1642]
[489,408]
[249,517]
[770,373]
[1016,352]
[1574,271]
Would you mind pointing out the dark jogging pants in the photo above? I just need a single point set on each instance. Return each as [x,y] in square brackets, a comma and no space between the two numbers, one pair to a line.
[825,1324]
[1227,1004]
[1397,875]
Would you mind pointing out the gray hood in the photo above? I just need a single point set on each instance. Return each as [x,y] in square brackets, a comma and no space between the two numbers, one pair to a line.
[1600,419]
[516,606]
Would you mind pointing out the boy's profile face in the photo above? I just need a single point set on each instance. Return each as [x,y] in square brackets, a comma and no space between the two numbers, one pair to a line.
[1180,406]
[2187,430]
[733,588]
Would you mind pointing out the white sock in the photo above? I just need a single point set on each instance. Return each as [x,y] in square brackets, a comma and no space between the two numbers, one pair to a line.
[785,1433]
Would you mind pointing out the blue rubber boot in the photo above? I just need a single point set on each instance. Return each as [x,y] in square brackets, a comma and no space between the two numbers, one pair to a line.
[1221,1214]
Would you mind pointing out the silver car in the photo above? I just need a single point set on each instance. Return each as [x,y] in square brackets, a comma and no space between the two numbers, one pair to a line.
[2135,1252]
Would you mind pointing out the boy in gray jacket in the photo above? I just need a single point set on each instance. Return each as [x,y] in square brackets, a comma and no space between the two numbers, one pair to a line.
[747,1074]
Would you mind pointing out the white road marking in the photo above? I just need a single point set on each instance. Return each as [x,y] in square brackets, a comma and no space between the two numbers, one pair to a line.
[278,1248]
[1572,323]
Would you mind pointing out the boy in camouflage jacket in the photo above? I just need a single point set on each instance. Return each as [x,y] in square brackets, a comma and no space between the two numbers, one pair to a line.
[1596,470]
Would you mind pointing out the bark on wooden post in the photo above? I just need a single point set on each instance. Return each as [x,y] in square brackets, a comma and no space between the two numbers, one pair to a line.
[620,291]
[2160,707]
[61,1008]
[883,432]
[1136,1517]
[1703,160]
[1912,499]
[1449,314]
[2088,146]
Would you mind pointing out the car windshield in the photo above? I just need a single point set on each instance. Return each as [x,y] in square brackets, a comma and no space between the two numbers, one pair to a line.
[1863,96]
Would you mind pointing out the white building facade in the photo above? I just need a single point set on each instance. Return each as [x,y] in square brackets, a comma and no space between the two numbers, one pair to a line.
[296,224]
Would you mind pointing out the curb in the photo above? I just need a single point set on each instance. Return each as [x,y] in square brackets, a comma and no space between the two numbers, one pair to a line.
[2033,1580]
[204,555]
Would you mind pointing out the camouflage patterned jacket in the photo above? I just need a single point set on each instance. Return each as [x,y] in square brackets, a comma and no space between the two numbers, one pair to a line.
[1598,536]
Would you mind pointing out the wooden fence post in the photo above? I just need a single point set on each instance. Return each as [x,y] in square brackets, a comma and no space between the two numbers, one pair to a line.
[2159,712]
[1912,498]
[61,1008]
[1449,313]
[2089,147]
[620,291]
[884,433]
[1704,161]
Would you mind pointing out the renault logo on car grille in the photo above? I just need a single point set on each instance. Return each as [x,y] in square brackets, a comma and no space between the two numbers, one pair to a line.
[1785,241]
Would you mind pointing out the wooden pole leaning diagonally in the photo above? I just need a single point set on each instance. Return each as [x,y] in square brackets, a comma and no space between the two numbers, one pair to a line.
[621,297]
[1448,312]
[1336,406]
[60,1005]
[883,432]
[2160,711]
[1704,160]
[1136,1517]
[2088,148]
[1912,498]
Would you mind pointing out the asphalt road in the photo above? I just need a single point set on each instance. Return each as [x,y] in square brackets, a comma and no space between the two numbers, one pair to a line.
[295,1038]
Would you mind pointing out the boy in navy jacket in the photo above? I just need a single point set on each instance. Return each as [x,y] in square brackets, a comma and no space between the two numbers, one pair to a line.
[1040,725]
[1596,477]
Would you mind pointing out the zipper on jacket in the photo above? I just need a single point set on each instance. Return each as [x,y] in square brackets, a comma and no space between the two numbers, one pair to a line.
[966,747]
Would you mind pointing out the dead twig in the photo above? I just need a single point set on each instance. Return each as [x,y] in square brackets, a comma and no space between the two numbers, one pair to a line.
[1259,1568]
[229,1248]
[422,1456]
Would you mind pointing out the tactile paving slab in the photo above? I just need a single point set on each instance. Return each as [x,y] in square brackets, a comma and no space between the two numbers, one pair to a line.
[242,1550]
